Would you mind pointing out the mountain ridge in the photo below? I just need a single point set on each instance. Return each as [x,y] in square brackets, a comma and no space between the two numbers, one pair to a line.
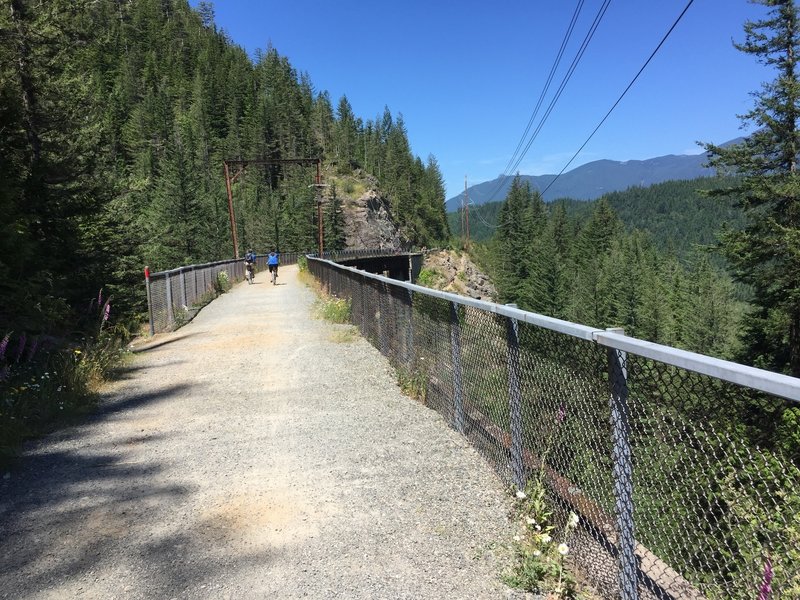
[593,179]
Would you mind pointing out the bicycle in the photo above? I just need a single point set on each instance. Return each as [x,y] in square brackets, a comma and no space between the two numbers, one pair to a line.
[249,272]
[273,272]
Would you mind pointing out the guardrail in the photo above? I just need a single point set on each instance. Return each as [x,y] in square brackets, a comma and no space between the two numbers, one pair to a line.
[684,470]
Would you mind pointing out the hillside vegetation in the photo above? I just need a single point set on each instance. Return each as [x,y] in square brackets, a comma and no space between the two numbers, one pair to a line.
[590,268]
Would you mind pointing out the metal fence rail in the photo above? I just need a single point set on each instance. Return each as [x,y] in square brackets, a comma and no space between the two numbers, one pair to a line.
[683,469]
[174,297]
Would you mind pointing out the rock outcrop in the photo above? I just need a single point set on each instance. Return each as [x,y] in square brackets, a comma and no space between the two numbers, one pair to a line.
[369,224]
[454,272]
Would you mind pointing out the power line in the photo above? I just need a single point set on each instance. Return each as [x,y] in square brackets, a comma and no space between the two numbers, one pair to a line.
[576,59]
[546,87]
[567,77]
[661,43]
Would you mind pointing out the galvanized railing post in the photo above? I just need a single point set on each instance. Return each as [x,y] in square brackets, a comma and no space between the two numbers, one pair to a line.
[170,313]
[363,285]
[194,284]
[623,472]
[184,305]
[515,402]
[458,380]
[149,300]
[410,351]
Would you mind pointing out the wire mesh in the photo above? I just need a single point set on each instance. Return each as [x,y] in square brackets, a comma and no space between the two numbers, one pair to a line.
[175,296]
[685,485]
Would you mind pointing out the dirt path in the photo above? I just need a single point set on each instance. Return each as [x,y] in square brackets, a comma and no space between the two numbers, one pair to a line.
[249,455]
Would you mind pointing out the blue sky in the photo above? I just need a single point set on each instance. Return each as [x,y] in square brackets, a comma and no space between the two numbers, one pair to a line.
[466,75]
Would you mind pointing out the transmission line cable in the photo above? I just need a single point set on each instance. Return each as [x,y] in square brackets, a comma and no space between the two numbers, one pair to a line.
[610,110]
[566,79]
[576,59]
[546,87]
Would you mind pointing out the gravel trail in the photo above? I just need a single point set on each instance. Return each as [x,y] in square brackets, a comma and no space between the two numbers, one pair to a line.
[251,455]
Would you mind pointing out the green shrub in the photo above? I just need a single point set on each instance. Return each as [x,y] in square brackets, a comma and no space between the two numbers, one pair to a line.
[222,282]
[335,310]
[428,278]
[413,384]
[46,381]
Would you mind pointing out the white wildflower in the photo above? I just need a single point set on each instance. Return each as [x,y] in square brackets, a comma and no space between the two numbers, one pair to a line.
[521,495]
[573,520]
[563,549]
[531,521]
[546,538]
[537,552]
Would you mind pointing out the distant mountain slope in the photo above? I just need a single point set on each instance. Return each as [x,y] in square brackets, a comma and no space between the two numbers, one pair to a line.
[592,180]
[677,214]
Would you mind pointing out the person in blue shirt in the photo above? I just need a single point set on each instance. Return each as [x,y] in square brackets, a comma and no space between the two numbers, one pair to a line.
[272,264]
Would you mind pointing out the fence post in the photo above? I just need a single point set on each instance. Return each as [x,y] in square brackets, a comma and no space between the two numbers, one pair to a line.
[363,285]
[149,300]
[515,401]
[458,382]
[170,314]
[410,351]
[622,471]
[183,291]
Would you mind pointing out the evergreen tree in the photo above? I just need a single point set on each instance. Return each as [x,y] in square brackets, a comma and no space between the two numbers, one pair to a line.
[591,247]
[334,222]
[346,135]
[765,253]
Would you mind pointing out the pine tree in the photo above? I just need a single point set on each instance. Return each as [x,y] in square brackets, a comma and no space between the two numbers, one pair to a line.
[765,253]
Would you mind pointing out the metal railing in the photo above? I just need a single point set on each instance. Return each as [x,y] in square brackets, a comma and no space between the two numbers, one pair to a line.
[174,297]
[682,468]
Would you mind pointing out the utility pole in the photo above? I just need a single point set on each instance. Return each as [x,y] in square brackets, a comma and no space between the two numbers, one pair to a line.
[242,164]
[318,185]
[228,184]
[461,214]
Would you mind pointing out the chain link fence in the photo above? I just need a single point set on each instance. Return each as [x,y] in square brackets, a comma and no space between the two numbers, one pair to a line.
[174,297]
[682,469]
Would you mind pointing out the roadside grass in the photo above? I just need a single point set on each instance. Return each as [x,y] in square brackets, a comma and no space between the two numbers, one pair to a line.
[345,335]
[327,306]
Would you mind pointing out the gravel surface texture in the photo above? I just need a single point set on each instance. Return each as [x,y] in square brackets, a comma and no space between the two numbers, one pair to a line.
[252,455]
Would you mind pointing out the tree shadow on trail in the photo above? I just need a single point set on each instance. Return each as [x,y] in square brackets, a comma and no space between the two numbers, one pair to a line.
[78,504]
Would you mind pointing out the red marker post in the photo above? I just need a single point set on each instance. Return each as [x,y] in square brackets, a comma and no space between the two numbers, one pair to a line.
[149,302]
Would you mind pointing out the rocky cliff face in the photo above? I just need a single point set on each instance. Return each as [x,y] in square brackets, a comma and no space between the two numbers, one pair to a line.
[454,272]
[368,221]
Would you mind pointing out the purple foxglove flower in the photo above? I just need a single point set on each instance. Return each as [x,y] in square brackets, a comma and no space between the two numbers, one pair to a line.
[20,346]
[4,345]
[562,412]
[32,347]
[100,297]
[106,312]
[766,586]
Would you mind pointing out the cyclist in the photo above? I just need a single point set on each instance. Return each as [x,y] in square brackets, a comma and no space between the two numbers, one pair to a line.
[272,264]
[250,265]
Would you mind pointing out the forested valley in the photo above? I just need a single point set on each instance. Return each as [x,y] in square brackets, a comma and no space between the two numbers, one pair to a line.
[642,259]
